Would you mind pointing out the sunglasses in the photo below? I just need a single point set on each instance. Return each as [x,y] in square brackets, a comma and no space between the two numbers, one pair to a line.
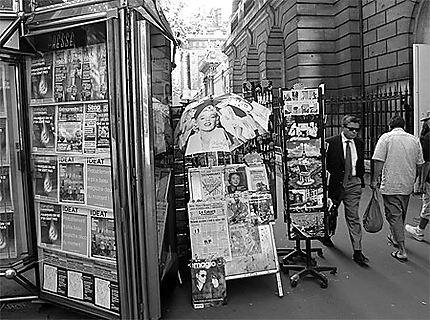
[352,129]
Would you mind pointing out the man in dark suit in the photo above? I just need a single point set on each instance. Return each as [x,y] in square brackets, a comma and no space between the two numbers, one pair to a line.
[345,163]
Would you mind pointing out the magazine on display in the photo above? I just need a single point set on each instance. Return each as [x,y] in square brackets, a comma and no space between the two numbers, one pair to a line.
[99,183]
[7,238]
[41,78]
[50,225]
[209,230]
[244,239]
[307,224]
[206,183]
[261,206]
[304,173]
[300,102]
[72,182]
[94,73]
[69,128]
[103,243]
[208,284]
[238,210]
[300,149]
[235,178]
[60,75]
[46,177]
[6,204]
[43,119]
[75,229]
[96,129]
[73,89]
[257,178]
[306,200]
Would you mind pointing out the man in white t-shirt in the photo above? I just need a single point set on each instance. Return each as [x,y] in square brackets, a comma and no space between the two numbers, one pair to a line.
[398,156]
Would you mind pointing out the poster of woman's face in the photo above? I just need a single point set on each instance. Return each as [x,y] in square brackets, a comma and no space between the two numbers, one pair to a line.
[235,179]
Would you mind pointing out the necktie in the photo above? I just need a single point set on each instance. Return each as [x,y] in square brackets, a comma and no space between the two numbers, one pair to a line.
[348,163]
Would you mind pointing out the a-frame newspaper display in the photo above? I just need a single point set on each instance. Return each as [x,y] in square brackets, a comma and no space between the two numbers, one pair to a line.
[304,164]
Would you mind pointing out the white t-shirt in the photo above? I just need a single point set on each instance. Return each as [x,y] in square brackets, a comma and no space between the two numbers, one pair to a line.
[401,153]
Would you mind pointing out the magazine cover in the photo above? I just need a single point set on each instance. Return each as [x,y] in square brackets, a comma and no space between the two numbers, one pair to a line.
[103,237]
[261,206]
[300,149]
[7,239]
[72,187]
[209,230]
[235,178]
[244,239]
[305,200]
[5,190]
[307,225]
[60,75]
[257,178]
[302,127]
[41,79]
[94,73]
[206,183]
[46,177]
[50,224]
[4,146]
[73,90]
[96,129]
[208,285]
[99,183]
[238,208]
[43,119]
[70,123]
[304,173]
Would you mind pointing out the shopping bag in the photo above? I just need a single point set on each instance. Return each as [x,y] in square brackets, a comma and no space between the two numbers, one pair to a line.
[372,219]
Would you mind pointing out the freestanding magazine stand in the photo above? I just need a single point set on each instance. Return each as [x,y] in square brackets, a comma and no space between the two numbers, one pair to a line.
[305,181]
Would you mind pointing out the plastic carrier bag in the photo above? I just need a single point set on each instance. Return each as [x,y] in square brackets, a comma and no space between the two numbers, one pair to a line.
[372,219]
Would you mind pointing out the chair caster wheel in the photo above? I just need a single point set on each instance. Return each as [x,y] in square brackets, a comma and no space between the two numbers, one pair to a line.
[294,280]
[324,285]
[293,283]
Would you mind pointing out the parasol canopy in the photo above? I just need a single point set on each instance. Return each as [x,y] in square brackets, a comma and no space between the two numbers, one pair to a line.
[220,123]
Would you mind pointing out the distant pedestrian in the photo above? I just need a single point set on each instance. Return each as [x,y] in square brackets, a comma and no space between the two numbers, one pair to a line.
[398,156]
[345,163]
[417,232]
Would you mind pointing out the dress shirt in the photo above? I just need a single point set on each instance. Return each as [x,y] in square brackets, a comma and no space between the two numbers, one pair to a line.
[353,153]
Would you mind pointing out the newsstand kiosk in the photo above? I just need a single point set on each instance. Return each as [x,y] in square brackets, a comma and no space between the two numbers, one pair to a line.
[86,205]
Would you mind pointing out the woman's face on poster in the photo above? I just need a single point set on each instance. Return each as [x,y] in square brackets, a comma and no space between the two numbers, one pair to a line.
[206,121]
[235,180]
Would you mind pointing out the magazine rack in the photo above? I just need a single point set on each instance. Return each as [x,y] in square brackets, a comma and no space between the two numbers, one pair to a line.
[305,184]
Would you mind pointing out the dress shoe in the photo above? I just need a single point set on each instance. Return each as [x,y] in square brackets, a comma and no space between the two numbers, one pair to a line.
[360,258]
[327,242]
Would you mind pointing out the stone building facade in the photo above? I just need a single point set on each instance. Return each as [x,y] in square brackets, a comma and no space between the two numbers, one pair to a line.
[352,46]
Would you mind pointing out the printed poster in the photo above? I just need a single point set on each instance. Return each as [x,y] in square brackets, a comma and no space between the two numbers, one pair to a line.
[206,183]
[307,224]
[60,75]
[257,178]
[244,239]
[75,230]
[99,183]
[41,79]
[208,284]
[73,89]
[238,210]
[7,238]
[71,175]
[209,230]
[300,149]
[44,136]
[261,207]
[70,126]
[304,173]
[46,177]
[103,243]
[96,129]
[305,200]
[302,127]
[235,179]
[50,225]
[75,285]
[94,73]
[300,102]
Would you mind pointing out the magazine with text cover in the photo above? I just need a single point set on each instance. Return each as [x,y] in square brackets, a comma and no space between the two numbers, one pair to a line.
[257,178]
[43,119]
[206,183]
[238,210]
[46,177]
[50,224]
[208,284]
[41,78]
[261,206]
[73,89]
[96,129]
[60,75]
[94,72]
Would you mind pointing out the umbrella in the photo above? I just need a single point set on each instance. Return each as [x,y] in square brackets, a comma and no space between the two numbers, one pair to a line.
[220,123]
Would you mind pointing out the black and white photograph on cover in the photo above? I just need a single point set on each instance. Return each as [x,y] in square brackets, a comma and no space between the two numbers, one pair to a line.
[72,187]
[43,135]
[70,127]
[298,149]
[46,177]
[208,284]
[244,239]
[103,243]
[305,200]
[302,127]
[261,207]
[235,178]
[309,225]
[238,208]
[50,224]
[304,173]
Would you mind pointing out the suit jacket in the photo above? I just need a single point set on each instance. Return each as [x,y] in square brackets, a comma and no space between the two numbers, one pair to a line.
[335,164]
